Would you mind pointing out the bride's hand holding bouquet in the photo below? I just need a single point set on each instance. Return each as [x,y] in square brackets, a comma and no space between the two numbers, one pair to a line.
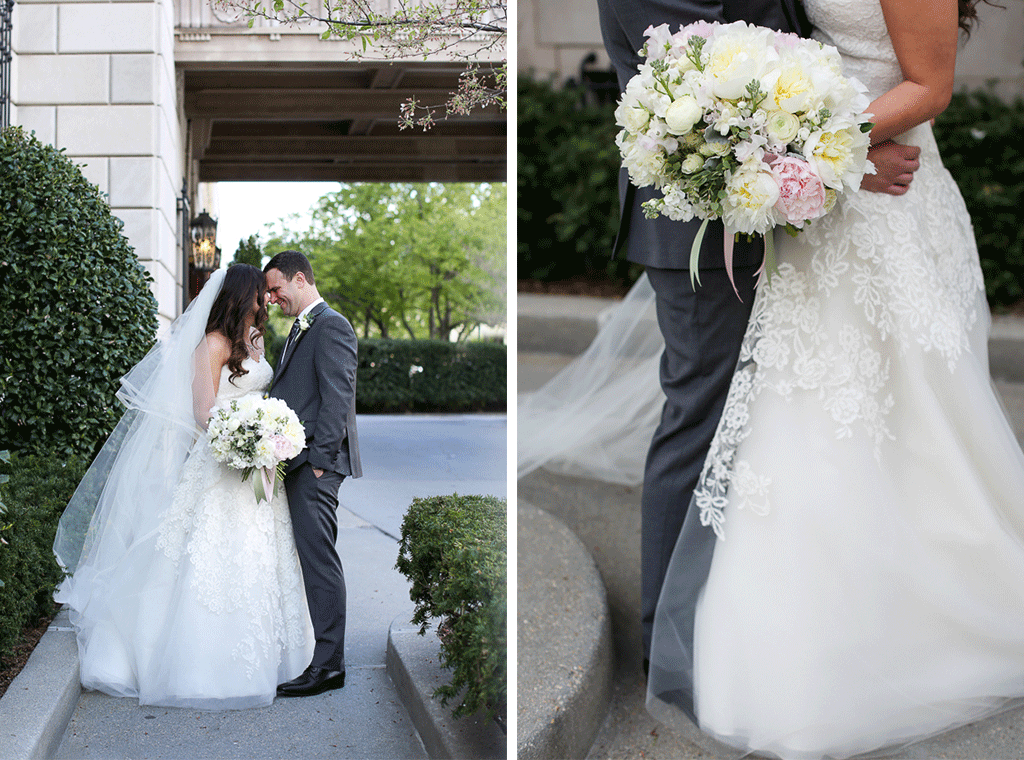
[744,124]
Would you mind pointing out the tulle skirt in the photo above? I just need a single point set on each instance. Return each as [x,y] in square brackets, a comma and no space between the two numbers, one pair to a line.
[205,608]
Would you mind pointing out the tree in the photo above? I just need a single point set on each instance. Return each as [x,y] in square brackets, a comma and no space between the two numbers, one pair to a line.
[249,252]
[422,260]
[465,30]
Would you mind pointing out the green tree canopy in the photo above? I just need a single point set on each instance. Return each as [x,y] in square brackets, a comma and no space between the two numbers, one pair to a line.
[249,252]
[409,260]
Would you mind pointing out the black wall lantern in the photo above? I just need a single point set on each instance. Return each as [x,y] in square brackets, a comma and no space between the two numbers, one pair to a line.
[205,254]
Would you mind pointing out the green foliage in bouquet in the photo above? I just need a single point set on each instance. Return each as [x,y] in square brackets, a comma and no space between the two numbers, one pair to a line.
[39,488]
[979,137]
[453,550]
[567,174]
[430,376]
[78,312]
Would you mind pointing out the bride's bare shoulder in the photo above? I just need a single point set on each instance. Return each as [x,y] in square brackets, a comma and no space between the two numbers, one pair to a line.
[218,344]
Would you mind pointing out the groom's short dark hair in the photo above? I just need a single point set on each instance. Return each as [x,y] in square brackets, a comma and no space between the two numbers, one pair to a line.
[289,263]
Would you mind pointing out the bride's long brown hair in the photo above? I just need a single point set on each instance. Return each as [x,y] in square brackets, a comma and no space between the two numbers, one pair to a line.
[243,285]
[968,14]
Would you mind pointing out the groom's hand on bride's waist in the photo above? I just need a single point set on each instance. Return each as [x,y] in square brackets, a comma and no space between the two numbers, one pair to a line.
[895,165]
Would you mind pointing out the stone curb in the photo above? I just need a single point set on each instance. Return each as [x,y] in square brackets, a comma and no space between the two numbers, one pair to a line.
[38,705]
[413,663]
[564,641]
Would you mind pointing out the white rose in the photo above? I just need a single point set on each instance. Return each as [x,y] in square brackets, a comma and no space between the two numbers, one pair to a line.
[683,114]
[751,195]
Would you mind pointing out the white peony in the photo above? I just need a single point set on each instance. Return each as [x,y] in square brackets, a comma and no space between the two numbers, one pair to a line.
[751,194]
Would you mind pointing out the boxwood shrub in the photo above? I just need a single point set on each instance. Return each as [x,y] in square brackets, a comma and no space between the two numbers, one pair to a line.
[39,488]
[453,550]
[77,309]
[430,376]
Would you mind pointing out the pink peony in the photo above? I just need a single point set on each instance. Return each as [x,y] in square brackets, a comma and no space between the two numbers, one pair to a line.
[801,191]
[283,448]
[699,28]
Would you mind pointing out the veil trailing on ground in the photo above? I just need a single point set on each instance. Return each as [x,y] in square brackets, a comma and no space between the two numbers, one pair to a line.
[133,477]
[595,418]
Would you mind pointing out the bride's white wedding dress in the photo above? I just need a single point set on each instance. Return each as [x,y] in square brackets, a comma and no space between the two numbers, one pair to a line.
[851,572]
[206,607]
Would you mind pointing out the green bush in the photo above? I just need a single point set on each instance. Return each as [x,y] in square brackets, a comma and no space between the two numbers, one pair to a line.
[430,376]
[453,550]
[39,488]
[77,309]
[979,137]
[567,175]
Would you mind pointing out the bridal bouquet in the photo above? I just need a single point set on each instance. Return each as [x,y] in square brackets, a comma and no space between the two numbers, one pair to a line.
[253,433]
[744,124]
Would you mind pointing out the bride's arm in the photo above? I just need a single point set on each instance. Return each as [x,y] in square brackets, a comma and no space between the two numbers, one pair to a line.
[924,34]
[211,355]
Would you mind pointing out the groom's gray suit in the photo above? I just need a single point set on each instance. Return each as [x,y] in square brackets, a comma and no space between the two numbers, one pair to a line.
[316,377]
[703,329]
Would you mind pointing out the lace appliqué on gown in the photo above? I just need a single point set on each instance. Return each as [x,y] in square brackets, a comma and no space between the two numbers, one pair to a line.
[235,546]
[908,266]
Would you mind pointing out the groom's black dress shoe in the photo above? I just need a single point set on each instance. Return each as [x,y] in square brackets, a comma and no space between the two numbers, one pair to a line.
[313,681]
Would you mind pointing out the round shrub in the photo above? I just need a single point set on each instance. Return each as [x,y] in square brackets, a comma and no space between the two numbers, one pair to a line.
[76,304]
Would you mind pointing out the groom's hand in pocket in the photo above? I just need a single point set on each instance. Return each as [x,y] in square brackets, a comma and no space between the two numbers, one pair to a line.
[317,472]
[895,165]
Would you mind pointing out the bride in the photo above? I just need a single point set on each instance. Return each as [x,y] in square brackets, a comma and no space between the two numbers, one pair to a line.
[184,590]
[850,573]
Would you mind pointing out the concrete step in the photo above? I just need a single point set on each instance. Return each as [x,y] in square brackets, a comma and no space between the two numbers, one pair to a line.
[564,646]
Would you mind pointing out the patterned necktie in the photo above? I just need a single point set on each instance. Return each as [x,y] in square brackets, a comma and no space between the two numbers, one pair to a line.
[292,334]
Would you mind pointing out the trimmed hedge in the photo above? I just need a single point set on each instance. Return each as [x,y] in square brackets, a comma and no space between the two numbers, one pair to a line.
[77,309]
[979,137]
[568,208]
[430,376]
[39,489]
[453,550]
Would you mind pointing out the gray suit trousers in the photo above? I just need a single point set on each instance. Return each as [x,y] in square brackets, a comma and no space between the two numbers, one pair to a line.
[313,503]
[703,330]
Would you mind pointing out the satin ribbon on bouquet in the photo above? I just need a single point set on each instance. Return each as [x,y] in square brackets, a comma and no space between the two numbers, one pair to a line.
[768,265]
[266,483]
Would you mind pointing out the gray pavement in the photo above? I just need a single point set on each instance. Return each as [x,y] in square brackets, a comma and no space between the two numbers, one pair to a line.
[606,519]
[403,457]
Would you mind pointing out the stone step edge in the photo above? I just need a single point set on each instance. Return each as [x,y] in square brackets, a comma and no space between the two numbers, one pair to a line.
[564,723]
[37,707]
[413,664]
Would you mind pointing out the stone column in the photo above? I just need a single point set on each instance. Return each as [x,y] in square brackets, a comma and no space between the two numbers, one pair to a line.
[97,78]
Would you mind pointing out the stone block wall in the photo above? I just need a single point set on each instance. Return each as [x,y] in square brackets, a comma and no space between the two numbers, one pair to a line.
[98,79]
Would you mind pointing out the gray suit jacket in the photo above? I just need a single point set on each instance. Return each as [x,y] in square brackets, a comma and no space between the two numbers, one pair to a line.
[316,377]
[662,242]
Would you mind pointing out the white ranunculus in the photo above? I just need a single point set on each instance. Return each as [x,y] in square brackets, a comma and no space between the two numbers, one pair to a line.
[683,114]
[692,163]
[782,126]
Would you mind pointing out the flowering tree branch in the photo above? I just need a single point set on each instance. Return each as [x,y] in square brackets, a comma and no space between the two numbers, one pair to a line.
[470,31]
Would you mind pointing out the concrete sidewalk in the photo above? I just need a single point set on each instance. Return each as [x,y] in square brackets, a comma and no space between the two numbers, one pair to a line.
[387,666]
[606,520]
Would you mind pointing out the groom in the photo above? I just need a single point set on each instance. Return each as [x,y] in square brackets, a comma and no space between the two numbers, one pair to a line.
[703,328]
[316,377]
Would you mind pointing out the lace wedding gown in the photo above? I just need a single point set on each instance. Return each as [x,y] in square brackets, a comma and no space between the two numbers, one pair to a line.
[207,607]
[851,572]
